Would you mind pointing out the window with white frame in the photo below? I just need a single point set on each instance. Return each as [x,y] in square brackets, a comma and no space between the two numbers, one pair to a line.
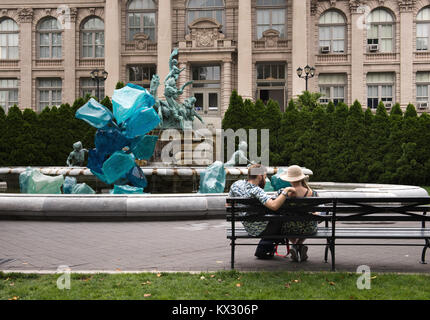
[380,87]
[381,30]
[423,29]
[332,30]
[89,86]
[141,18]
[50,38]
[8,93]
[93,38]
[271,14]
[49,92]
[206,87]
[422,83]
[141,74]
[332,87]
[9,34]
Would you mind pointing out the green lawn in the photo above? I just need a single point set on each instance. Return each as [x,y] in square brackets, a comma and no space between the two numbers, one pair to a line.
[213,286]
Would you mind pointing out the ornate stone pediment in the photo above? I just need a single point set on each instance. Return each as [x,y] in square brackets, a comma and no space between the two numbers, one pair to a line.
[205,31]
[141,41]
[271,37]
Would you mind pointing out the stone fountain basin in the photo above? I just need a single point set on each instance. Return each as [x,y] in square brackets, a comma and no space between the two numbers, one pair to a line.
[100,207]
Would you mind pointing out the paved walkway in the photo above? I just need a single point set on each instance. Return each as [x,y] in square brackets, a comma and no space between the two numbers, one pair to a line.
[169,246]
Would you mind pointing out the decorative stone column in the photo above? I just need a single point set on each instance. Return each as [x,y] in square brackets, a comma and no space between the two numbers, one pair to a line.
[406,52]
[357,54]
[299,44]
[244,50]
[69,60]
[25,16]
[227,86]
[164,42]
[112,44]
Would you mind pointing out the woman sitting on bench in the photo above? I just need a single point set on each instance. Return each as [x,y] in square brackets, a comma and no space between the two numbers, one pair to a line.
[295,176]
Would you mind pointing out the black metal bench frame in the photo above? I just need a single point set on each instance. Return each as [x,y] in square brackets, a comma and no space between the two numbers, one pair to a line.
[394,209]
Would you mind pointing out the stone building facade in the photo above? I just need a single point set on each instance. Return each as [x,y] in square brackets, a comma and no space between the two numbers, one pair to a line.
[369,50]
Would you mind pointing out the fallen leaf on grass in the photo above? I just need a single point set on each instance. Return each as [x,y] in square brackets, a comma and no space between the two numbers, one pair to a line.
[332,283]
[202,278]
[374,277]
[158,275]
[238,285]
[146,283]
[146,295]
[11,284]
[14,298]
[296,281]
[287,285]
[212,276]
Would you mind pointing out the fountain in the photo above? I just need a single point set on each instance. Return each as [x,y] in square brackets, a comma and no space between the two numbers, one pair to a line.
[129,136]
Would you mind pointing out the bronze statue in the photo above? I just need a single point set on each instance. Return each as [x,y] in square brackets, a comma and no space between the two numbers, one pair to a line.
[173,114]
[76,158]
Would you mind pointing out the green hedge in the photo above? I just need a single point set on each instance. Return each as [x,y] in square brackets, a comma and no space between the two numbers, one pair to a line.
[28,138]
[341,143]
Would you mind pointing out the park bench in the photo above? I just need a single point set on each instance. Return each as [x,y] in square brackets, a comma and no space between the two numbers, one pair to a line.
[334,211]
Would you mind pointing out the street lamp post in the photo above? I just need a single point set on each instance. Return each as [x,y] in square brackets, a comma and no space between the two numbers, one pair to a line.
[309,73]
[99,75]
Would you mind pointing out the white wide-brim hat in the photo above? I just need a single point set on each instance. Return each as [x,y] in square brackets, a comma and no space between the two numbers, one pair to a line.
[293,174]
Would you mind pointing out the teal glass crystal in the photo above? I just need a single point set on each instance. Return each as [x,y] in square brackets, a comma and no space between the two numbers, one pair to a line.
[127,100]
[143,147]
[142,121]
[95,114]
[213,179]
[126,189]
[117,166]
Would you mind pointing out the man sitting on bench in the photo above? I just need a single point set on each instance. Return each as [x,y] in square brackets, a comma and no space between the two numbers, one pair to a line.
[253,188]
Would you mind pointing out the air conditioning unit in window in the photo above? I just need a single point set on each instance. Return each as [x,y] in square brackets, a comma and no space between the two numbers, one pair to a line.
[388,105]
[373,47]
[422,105]
[325,49]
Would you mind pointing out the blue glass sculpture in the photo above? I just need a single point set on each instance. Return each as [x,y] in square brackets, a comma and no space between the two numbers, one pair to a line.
[126,190]
[141,122]
[268,187]
[95,114]
[277,182]
[143,147]
[117,166]
[82,188]
[109,140]
[69,183]
[137,178]
[34,181]
[213,179]
[126,100]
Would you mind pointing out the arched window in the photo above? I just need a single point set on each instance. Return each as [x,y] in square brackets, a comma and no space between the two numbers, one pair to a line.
[8,39]
[271,15]
[50,38]
[93,38]
[423,29]
[380,35]
[141,18]
[205,9]
[332,30]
